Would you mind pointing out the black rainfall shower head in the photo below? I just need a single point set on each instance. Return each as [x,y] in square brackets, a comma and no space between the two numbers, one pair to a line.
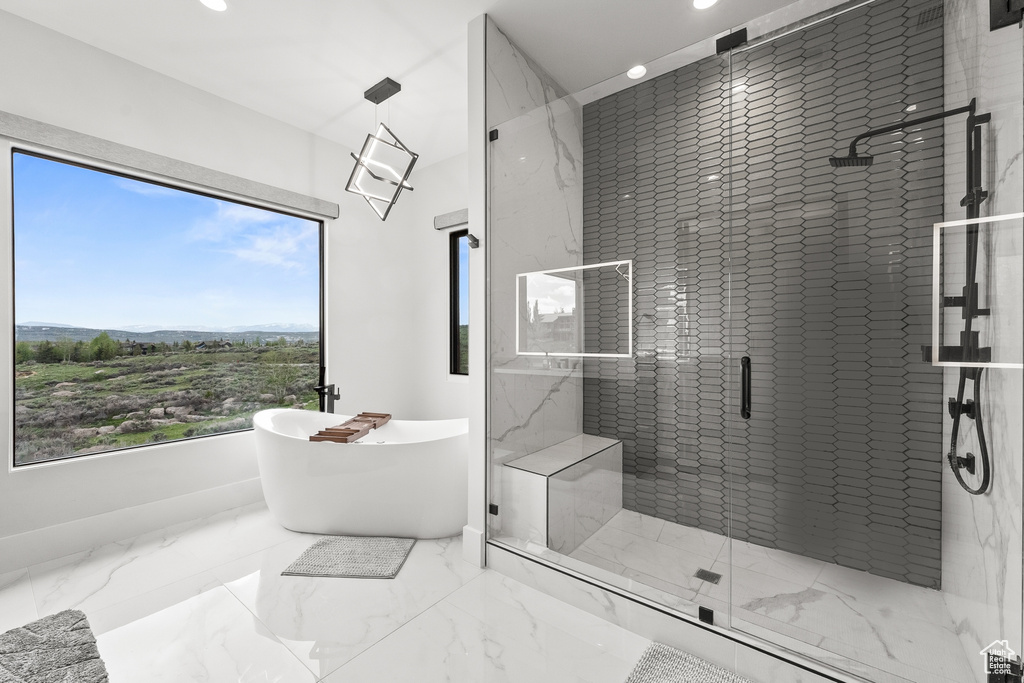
[852,160]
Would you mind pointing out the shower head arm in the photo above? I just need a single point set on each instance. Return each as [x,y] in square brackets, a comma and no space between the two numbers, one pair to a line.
[969,110]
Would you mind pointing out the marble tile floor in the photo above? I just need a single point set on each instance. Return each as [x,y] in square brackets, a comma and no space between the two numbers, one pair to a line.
[884,630]
[204,601]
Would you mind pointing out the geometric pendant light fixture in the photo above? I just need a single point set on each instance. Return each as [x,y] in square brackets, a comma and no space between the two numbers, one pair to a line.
[384,164]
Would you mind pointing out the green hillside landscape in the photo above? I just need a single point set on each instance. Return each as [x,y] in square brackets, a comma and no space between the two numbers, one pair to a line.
[81,390]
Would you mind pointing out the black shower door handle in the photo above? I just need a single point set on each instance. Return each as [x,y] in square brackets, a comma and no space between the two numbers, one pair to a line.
[745,388]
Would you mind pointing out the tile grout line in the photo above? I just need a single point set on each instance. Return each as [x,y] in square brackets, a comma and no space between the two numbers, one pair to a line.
[407,623]
[314,677]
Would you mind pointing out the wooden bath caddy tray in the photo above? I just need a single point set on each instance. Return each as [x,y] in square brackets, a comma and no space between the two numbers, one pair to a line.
[352,430]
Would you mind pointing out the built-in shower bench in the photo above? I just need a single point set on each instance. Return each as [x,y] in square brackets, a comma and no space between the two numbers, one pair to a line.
[560,495]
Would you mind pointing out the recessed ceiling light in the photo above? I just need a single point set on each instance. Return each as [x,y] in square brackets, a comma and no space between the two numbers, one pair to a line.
[703,4]
[912,107]
[637,71]
[215,5]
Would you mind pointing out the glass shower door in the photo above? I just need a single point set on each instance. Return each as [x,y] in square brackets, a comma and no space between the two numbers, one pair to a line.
[850,540]
[606,444]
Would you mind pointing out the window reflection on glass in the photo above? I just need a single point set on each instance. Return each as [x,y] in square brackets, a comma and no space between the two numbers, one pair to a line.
[578,311]
[551,321]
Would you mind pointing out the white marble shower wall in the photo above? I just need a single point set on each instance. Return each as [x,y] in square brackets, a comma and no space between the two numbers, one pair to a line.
[535,179]
[982,535]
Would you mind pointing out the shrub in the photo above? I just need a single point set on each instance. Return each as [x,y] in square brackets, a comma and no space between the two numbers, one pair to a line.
[23,353]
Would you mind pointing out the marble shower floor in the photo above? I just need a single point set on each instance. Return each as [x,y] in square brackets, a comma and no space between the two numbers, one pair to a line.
[204,601]
[892,631]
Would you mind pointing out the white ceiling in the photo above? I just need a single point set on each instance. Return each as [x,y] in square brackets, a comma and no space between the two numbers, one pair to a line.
[307,62]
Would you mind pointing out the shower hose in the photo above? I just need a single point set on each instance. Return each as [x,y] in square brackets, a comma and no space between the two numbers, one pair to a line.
[956,463]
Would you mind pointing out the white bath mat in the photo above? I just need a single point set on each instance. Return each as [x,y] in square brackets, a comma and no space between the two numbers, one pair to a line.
[663,664]
[354,557]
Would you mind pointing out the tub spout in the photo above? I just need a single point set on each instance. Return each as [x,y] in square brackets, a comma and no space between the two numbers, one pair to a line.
[328,392]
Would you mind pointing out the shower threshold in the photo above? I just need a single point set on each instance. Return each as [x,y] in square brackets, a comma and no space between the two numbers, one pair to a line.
[883,630]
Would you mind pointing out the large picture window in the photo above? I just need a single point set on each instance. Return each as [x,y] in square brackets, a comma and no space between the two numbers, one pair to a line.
[146,313]
[459,308]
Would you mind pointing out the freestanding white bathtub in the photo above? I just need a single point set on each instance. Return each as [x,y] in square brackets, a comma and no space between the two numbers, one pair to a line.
[408,478]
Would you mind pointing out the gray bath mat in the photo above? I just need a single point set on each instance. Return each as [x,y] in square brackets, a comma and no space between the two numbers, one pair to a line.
[663,664]
[357,557]
[60,648]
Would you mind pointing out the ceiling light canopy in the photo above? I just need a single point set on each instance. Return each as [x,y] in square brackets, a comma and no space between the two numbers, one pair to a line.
[384,164]
[703,4]
[215,5]
[638,71]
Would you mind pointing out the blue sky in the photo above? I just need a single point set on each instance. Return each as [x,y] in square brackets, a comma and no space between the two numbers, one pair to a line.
[97,250]
[463,281]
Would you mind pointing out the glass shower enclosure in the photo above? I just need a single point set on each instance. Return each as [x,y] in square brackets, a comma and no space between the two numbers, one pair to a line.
[754,333]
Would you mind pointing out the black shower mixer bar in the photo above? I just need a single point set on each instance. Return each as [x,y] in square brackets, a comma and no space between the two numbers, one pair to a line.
[970,349]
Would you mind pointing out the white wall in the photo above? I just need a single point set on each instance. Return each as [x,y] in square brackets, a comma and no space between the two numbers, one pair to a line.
[384,360]
[389,294]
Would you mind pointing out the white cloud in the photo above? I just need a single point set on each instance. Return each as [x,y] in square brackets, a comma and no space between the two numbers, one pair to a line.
[278,246]
[230,220]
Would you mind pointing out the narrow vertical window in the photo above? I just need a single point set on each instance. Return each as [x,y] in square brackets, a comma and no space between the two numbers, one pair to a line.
[459,308]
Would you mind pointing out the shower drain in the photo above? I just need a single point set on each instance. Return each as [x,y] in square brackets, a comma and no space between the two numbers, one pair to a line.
[705,575]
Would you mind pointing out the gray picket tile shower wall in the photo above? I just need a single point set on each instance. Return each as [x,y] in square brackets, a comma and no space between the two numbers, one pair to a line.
[746,242]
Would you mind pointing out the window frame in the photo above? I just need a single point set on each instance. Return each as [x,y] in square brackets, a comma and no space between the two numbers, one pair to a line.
[454,342]
[11,146]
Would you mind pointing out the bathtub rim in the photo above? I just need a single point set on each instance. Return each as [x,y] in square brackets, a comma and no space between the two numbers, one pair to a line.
[262,421]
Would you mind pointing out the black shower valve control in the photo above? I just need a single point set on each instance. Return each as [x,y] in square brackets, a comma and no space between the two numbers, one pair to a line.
[966,409]
[966,463]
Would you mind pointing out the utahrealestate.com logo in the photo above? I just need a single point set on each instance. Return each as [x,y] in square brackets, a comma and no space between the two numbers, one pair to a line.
[1000,660]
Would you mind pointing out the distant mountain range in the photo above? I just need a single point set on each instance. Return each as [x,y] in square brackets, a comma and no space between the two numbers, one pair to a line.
[262,327]
[37,331]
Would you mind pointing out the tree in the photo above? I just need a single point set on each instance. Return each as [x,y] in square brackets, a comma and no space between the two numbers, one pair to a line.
[64,348]
[45,353]
[23,352]
[80,353]
[187,345]
[103,347]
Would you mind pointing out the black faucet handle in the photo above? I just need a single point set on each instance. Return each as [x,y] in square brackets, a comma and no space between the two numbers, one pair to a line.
[329,392]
